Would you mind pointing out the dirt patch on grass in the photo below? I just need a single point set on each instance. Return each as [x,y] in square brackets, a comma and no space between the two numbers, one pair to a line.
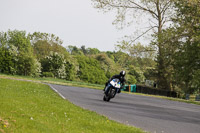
[3,124]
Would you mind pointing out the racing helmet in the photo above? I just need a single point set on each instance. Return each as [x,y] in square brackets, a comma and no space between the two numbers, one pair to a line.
[122,73]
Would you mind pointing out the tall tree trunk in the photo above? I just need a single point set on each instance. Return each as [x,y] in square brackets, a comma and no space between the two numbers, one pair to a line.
[162,80]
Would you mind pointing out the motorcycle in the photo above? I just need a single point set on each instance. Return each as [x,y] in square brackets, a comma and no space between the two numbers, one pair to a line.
[111,89]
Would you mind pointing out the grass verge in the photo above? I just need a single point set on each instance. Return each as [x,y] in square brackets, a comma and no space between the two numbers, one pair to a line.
[168,98]
[54,81]
[177,99]
[34,107]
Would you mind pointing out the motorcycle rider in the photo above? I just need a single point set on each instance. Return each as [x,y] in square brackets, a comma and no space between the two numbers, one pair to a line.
[121,77]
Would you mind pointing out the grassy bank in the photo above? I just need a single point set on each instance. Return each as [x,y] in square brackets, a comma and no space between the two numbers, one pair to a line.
[34,107]
[54,81]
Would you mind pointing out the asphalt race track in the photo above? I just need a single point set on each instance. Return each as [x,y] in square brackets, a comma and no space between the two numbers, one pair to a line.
[151,114]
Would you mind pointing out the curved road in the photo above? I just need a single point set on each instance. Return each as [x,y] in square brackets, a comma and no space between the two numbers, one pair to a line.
[151,114]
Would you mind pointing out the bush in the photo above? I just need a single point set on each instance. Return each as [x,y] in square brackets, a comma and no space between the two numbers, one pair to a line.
[54,63]
[90,70]
[47,74]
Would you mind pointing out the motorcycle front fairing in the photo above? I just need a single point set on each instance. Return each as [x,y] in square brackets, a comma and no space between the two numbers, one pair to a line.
[115,83]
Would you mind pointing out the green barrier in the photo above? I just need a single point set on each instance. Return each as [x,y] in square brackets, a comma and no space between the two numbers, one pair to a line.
[133,88]
[125,88]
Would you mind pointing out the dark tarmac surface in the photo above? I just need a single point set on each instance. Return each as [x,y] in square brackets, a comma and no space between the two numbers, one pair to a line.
[150,114]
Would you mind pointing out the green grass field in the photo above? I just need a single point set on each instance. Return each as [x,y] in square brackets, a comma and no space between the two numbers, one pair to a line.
[27,107]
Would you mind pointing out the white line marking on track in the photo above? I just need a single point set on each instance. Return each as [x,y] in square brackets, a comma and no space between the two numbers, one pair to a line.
[57,91]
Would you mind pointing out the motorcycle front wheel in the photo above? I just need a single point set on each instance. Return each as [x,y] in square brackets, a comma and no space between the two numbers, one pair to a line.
[106,98]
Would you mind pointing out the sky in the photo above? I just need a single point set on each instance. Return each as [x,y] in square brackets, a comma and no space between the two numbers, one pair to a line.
[75,22]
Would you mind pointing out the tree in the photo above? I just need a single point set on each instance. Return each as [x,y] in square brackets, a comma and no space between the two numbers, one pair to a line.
[181,51]
[84,50]
[73,50]
[108,65]
[44,43]
[25,65]
[50,38]
[17,55]
[186,34]
[6,61]
[158,12]
[92,51]
[20,40]
[123,59]
[54,63]
[135,74]
[90,70]
[140,57]
[138,50]
[70,69]
[131,79]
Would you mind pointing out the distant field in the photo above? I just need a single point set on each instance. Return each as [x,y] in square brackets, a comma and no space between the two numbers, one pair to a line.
[27,107]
